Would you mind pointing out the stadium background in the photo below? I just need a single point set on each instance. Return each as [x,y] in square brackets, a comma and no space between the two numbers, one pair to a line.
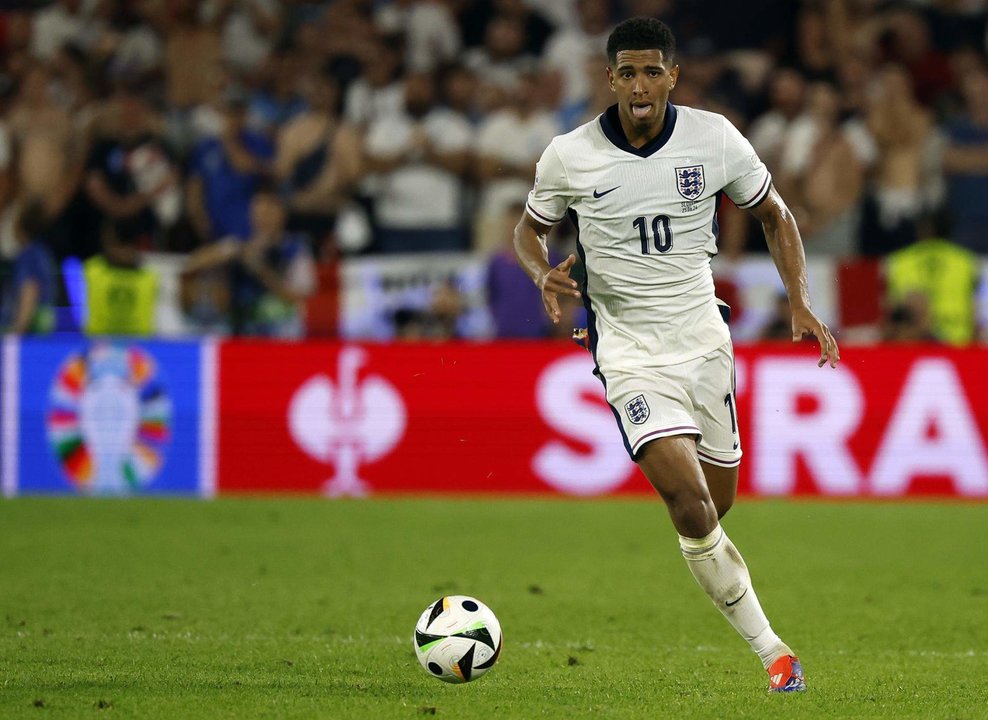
[395,143]
[166,339]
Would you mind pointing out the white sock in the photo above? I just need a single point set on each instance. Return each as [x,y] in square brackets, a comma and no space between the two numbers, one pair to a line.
[720,570]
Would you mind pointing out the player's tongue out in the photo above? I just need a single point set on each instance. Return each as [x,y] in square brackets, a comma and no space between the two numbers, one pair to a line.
[641,111]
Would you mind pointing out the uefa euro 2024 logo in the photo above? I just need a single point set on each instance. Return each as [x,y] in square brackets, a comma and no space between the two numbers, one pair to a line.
[109,419]
[347,423]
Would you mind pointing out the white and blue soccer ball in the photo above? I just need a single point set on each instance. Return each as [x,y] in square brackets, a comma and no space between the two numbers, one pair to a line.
[457,639]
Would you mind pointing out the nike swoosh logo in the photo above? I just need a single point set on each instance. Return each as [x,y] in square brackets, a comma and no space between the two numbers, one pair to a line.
[736,445]
[600,195]
[732,604]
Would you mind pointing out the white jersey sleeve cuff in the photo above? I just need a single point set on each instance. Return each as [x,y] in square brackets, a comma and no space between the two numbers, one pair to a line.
[539,216]
[760,195]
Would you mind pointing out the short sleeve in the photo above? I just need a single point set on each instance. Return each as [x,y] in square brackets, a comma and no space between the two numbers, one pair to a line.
[748,181]
[550,196]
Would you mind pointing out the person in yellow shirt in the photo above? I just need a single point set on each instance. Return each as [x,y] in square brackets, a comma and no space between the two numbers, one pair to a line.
[121,294]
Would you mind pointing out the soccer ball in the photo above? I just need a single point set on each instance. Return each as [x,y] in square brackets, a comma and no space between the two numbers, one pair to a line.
[457,639]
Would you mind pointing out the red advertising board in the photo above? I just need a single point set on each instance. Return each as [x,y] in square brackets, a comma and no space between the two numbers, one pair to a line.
[531,418]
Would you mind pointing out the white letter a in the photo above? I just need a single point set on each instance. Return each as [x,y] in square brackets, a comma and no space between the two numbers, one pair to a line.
[932,396]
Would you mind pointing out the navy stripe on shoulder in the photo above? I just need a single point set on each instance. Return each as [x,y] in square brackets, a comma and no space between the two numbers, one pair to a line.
[759,196]
[539,216]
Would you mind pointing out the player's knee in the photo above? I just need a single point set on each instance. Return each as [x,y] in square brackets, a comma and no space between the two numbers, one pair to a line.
[723,504]
[693,512]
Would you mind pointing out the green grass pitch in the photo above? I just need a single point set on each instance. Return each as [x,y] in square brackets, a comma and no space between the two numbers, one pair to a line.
[305,609]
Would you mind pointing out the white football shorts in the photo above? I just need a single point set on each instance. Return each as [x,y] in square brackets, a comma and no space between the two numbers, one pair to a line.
[695,397]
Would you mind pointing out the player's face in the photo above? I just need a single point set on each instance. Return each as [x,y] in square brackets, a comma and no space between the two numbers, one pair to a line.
[642,80]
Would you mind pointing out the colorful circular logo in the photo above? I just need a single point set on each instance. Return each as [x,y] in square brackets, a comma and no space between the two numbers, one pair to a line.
[109,419]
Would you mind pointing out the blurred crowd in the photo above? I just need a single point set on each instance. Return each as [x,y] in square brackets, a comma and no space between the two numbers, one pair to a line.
[264,139]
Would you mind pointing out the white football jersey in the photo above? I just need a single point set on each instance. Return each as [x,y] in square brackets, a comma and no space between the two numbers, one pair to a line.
[647,222]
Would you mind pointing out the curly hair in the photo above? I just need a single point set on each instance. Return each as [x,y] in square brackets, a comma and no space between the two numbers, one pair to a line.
[641,33]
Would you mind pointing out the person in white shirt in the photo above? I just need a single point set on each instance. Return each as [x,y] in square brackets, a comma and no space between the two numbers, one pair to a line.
[642,183]
[509,142]
[420,156]
[768,133]
[569,49]
[61,23]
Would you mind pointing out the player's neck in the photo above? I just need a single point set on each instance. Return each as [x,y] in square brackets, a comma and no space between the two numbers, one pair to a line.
[638,136]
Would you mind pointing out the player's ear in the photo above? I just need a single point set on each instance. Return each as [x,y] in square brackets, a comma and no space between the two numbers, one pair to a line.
[673,76]
[610,78]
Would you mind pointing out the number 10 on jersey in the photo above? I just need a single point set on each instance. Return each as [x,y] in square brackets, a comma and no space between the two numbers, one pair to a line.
[661,233]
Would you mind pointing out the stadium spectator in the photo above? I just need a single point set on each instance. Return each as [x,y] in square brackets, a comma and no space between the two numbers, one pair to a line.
[822,177]
[270,275]
[571,48]
[445,312]
[420,155]
[768,133]
[47,145]
[906,40]
[816,47]
[946,275]
[139,49]
[712,83]
[432,37]
[74,88]
[509,142]
[965,162]
[459,92]
[902,131]
[514,302]
[224,172]
[318,161]
[908,320]
[907,77]
[190,46]
[437,322]
[502,58]
[208,119]
[476,16]
[121,293]
[129,175]
[29,298]
[379,91]
[61,23]
[274,99]
[248,29]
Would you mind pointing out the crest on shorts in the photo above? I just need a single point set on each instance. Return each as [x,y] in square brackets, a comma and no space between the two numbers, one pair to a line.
[689,181]
[637,409]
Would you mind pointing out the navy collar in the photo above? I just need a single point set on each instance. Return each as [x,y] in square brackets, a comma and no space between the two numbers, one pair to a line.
[610,123]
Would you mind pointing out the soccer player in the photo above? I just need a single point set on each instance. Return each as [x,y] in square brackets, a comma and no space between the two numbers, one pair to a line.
[642,182]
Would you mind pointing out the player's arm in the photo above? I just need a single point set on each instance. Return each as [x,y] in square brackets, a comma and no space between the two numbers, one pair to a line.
[533,255]
[786,247]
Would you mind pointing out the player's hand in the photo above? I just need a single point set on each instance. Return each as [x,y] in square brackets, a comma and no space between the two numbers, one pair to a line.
[557,281]
[804,323]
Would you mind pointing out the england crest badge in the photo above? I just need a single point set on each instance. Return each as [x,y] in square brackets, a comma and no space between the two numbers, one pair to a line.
[637,409]
[689,181]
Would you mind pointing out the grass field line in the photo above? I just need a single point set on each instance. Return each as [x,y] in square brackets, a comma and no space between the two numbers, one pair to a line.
[537,644]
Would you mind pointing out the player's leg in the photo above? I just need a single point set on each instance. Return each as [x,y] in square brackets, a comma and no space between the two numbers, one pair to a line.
[659,420]
[721,571]
[671,466]
[722,482]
